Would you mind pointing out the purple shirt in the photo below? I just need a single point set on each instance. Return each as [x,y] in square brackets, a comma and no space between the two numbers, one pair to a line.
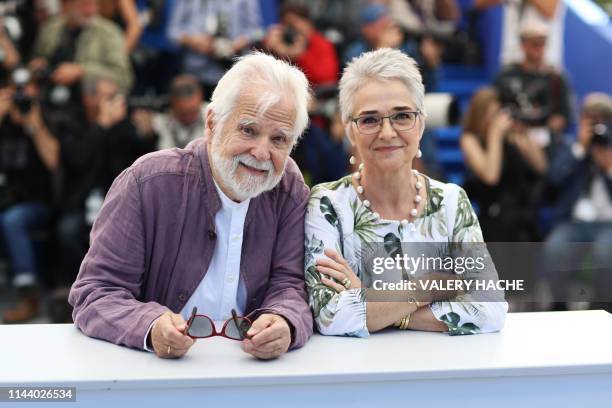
[154,238]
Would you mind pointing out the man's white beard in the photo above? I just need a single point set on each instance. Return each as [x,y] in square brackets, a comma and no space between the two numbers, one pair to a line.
[247,185]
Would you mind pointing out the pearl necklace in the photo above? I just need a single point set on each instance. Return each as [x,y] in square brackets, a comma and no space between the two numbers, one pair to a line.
[417,199]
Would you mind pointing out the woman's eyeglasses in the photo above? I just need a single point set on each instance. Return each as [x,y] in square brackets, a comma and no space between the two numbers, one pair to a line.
[202,326]
[400,121]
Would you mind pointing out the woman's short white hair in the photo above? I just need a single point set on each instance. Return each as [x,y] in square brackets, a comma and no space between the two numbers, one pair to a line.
[381,65]
[262,71]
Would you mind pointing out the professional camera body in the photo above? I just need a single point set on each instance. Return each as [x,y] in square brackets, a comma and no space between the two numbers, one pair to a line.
[602,134]
[21,99]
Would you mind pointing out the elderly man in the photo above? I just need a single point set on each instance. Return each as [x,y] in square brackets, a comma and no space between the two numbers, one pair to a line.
[217,226]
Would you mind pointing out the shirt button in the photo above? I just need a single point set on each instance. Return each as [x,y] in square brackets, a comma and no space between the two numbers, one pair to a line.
[182,297]
[230,279]
[236,238]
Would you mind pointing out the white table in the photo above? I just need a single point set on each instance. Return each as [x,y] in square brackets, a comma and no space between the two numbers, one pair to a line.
[539,359]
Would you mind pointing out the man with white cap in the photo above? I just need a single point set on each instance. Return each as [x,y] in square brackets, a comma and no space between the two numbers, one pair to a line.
[536,94]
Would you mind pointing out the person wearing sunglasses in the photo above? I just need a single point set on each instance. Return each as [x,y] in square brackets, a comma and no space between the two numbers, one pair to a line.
[208,240]
[387,205]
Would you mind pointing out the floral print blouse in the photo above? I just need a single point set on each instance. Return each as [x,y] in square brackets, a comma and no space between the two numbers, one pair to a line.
[336,218]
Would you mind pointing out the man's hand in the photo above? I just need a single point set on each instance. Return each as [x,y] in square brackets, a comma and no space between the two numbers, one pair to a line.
[274,42]
[67,74]
[432,51]
[167,336]
[269,337]
[38,64]
[143,120]
[6,101]
[585,132]
[200,43]
[112,111]
[33,119]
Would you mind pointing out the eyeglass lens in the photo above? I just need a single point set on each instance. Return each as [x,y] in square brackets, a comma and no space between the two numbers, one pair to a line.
[200,327]
[237,328]
[399,121]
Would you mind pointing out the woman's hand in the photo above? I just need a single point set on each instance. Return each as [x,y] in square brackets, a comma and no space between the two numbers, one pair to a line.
[338,268]
[501,123]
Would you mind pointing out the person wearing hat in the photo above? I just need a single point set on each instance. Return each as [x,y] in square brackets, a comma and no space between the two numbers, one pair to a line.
[515,13]
[378,30]
[537,95]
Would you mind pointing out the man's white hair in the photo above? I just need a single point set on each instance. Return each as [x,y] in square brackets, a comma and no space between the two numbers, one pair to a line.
[384,64]
[259,71]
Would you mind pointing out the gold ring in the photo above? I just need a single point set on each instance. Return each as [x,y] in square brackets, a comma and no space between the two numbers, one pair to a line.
[346,282]
[168,350]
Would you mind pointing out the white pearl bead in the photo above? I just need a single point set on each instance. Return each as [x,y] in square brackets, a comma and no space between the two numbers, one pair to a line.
[360,189]
[352,160]
[413,212]
[404,222]
[366,203]
[415,172]
[417,199]
[361,166]
[357,176]
[419,185]
[376,215]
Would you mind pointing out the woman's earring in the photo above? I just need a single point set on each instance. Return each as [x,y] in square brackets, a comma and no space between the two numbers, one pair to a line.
[352,160]
[419,154]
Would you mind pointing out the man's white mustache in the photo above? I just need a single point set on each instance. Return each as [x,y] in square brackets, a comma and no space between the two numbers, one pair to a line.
[248,160]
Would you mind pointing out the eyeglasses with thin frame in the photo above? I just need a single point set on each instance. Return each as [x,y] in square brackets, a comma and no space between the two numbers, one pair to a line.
[401,121]
[202,327]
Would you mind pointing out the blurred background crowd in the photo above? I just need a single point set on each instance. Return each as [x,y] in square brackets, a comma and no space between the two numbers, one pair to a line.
[519,110]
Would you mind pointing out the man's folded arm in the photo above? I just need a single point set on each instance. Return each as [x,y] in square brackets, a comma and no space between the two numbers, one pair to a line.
[105,293]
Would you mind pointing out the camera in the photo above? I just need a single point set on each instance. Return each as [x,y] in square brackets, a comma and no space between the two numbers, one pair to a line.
[22,101]
[528,116]
[157,103]
[602,134]
[289,35]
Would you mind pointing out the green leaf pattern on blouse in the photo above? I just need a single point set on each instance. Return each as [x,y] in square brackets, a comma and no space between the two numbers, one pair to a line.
[336,218]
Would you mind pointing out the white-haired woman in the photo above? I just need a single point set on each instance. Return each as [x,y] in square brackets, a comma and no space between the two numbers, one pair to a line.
[385,201]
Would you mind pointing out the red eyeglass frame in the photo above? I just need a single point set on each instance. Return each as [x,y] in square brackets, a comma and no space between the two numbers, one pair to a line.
[214,333]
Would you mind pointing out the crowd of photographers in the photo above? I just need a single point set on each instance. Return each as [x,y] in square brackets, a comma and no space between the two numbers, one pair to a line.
[87,87]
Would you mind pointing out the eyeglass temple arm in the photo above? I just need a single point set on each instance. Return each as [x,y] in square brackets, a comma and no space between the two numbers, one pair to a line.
[194,312]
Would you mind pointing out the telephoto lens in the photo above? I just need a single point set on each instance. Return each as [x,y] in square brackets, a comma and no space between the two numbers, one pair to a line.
[23,101]
[602,133]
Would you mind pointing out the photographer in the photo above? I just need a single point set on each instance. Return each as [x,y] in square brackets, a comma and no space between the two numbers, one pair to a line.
[211,33]
[97,143]
[297,39]
[536,94]
[582,174]
[9,56]
[378,30]
[28,153]
[182,123]
[77,44]
[505,170]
